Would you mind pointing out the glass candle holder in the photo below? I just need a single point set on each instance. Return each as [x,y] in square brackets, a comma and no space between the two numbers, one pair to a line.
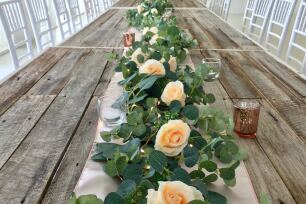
[246,116]
[111,117]
[214,68]
[128,39]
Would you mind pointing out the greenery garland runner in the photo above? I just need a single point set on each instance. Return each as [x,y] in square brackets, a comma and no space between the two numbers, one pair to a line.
[170,126]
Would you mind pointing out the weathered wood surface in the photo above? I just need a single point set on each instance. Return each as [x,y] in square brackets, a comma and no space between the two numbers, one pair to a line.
[125,3]
[106,31]
[40,145]
[264,176]
[48,108]
[212,32]
[17,85]
[244,77]
[276,159]
[186,4]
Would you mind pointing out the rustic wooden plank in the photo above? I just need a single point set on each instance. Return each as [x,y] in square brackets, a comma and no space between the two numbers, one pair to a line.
[17,122]
[105,79]
[25,176]
[54,81]
[186,4]
[17,85]
[232,78]
[276,138]
[264,176]
[125,3]
[106,31]
[281,71]
[71,166]
[243,77]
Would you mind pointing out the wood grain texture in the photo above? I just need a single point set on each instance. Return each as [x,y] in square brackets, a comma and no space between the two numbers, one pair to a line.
[264,176]
[125,3]
[54,80]
[186,4]
[18,121]
[17,85]
[37,158]
[106,31]
[73,162]
[244,77]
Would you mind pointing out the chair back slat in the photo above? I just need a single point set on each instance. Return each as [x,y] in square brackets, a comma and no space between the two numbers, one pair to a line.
[75,14]
[63,18]
[298,37]
[220,7]
[16,31]
[89,9]
[41,24]
[280,18]
[259,18]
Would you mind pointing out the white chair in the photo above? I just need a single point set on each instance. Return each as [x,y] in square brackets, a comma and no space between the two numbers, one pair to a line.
[278,24]
[105,4]
[205,2]
[259,18]
[13,20]
[89,10]
[75,15]
[220,7]
[63,18]
[97,7]
[41,24]
[248,14]
[295,46]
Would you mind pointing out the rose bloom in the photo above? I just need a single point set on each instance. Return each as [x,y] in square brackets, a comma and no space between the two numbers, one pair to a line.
[140,9]
[154,30]
[174,91]
[172,137]
[173,64]
[154,11]
[173,192]
[152,67]
[135,54]
[154,39]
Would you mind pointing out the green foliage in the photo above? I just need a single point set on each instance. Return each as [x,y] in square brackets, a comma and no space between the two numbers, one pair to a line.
[136,163]
[85,199]
[158,161]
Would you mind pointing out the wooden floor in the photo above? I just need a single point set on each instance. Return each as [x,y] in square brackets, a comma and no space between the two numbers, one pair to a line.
[48,113]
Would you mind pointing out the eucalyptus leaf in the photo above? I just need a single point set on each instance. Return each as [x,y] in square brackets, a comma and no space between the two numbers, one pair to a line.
[180,174]
[127,189]
[114,198]
[158,161]
[191,156]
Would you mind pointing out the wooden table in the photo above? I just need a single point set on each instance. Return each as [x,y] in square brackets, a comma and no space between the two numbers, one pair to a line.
[48,116]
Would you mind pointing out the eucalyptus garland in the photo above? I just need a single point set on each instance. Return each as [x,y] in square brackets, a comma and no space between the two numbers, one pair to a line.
[173,138]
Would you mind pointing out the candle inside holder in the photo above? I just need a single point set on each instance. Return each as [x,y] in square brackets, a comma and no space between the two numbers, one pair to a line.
[128,39]
[246,116]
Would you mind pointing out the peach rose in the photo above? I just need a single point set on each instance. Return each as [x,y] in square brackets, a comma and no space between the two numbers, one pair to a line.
[152,67]
[154,39]
[154,11]
[135,54]
[174,192]
[173,64]
[174,91]
[154,30]
[172,137]
[140,9]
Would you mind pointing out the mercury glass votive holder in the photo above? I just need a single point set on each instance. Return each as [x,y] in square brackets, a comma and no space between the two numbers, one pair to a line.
[246,116]
[128,39]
